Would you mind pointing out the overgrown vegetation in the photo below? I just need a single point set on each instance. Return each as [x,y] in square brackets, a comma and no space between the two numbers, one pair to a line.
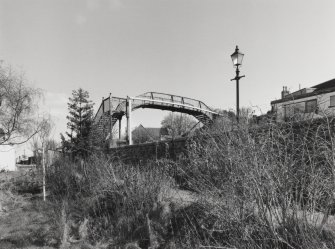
[266,187]
[270,187]
[25,220]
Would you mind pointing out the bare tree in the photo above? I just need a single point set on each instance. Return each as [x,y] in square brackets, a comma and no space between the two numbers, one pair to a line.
[40,143]
[42,140]
[18,107]
[178,124]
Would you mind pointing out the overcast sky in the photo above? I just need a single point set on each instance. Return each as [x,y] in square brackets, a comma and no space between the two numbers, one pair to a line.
[183,47]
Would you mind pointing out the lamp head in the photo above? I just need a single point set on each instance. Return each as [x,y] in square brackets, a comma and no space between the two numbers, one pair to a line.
[237,57]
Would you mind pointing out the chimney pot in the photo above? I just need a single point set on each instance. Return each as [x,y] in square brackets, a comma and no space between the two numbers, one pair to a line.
[285,92]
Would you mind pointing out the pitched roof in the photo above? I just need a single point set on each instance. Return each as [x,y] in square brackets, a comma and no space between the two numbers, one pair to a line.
[325,87]
[155,133]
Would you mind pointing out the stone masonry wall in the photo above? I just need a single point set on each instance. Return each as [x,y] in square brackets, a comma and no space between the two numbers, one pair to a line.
[150,151]
[178,147]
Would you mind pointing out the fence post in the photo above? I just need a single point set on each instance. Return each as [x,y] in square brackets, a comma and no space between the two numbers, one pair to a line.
[44,172]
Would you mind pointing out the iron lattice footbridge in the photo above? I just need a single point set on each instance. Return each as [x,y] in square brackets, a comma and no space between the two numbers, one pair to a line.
[112,109]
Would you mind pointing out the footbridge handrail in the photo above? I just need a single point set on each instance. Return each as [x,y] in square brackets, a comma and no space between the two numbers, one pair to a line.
[176,99]
[119,104]
[104,106]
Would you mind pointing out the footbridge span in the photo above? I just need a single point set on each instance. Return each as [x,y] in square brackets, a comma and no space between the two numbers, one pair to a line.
[113,109]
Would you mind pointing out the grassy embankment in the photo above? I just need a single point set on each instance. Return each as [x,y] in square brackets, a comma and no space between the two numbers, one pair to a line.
[25,220]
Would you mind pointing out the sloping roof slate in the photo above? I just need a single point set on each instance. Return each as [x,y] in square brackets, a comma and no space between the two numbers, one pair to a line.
[155,133]
[325,87]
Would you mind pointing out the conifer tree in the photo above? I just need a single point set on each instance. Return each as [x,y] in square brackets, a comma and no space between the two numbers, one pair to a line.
[80,121]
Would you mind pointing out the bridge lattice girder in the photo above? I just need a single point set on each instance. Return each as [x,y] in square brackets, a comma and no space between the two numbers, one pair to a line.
[117,107]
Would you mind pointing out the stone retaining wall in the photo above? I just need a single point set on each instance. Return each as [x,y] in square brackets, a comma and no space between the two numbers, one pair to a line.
[172,149]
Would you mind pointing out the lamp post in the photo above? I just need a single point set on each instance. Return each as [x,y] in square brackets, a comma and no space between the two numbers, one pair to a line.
[237,58]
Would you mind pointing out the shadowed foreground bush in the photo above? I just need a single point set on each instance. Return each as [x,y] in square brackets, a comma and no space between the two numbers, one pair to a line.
[269,188]
[117,199]
[266,188]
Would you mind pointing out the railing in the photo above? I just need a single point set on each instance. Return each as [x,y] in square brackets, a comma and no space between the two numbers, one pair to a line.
[175,99]
[104,107]
[118,105]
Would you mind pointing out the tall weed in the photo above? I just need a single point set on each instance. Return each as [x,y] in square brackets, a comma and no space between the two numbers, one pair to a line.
[256,187]
[269,187]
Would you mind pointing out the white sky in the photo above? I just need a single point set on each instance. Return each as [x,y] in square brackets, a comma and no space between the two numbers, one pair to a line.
[183,47]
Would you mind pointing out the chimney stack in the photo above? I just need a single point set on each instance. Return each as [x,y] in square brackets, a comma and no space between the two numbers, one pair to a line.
[285,92]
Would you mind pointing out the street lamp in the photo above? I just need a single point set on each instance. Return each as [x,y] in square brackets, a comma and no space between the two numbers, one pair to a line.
[237,58]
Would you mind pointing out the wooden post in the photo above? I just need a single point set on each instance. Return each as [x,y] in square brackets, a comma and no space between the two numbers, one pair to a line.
[43,165]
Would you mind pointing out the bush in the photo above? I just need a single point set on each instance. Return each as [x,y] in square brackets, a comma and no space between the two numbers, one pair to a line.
[269,187]
[116,198]
[265,188]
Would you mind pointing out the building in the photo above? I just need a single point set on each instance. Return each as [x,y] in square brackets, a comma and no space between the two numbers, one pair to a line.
[145,135]
[7,155]
[314,102]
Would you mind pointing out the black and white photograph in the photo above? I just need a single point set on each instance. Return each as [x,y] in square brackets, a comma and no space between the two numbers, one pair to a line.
[167,124]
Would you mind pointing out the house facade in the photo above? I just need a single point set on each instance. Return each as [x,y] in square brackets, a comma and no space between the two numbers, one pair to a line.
[146,135]
[7,158]
[7,154]
[314,102]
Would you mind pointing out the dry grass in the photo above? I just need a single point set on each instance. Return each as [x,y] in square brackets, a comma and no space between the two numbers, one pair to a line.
[267,189]
[116,200]
[271,188]
[24,222]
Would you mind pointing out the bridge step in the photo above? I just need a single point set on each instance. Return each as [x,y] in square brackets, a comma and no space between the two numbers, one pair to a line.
[204,119]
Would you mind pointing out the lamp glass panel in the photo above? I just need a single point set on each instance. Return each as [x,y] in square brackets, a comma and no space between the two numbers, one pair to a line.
[234,59]
[240,58]
[237,58]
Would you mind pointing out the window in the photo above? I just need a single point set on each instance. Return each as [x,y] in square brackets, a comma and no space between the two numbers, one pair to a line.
[311,106]
[332,100]
[299,108]
[288,111]
[291,109]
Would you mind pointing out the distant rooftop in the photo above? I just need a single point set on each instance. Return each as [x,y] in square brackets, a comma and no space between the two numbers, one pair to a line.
[157,132]
[325,87]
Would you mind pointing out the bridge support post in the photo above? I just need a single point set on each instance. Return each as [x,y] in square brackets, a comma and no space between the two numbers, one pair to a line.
[130,139]
[120,127]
